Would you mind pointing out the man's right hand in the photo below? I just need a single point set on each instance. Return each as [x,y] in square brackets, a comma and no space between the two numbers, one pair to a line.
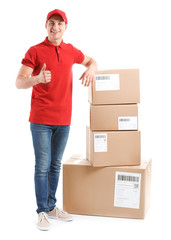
[24,80]
[44,75]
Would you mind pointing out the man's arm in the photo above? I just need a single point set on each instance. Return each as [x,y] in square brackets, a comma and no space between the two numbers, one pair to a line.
[89,75]
[24,80]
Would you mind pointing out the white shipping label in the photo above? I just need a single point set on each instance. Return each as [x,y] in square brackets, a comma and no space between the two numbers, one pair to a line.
[107,82]
[127,123]
[127,190]
[100,142]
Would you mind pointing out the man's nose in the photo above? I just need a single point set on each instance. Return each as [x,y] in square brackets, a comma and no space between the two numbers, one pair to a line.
[56,26]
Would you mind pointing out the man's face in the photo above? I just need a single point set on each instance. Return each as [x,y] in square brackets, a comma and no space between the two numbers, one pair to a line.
[56,27]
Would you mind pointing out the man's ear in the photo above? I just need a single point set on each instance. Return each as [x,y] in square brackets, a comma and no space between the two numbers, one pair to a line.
[66,25]
[46,25]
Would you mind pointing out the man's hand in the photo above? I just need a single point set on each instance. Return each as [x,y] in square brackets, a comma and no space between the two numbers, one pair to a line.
[24,80]
[89,75]
[44,75]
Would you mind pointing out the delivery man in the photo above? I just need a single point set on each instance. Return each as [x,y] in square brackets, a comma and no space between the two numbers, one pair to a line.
[47,67]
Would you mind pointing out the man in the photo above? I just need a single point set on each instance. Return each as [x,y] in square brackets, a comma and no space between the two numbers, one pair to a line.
[50,66]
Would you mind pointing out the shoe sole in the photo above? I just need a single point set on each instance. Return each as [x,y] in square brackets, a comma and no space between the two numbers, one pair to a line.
[43,229]
[61,219]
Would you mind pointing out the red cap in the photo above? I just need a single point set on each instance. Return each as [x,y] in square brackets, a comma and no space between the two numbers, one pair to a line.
[58,12]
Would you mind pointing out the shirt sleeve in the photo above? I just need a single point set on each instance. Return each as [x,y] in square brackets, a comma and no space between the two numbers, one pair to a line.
[30,58]
[78,56]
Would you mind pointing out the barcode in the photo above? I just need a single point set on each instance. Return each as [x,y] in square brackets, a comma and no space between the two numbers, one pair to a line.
[124,120]
[104,77]
[100,136]
[128,178]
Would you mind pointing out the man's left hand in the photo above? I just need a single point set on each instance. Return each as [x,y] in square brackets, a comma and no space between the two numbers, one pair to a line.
[89,75]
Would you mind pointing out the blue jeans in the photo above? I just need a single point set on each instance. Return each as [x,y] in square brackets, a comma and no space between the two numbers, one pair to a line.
[49,143]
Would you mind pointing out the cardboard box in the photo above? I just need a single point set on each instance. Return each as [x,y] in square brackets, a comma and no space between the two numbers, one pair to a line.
[114,117]
[115,87]
[113,148]
[106,191]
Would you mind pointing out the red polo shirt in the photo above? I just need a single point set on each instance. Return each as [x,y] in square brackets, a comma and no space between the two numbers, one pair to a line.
[51,103]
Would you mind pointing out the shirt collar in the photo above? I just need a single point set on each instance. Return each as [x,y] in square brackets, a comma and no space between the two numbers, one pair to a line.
[47,42]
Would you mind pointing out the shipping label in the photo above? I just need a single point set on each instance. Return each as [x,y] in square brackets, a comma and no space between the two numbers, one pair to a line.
[127,123]
[100,142]
[127,190]
[107,82]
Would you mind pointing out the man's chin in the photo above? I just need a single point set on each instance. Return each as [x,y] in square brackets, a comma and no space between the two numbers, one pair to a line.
[54,38]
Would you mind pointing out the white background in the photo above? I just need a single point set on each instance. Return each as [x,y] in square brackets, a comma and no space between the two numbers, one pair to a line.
[118,34]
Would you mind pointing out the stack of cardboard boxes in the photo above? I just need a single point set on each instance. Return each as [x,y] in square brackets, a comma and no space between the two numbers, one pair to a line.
[112,180]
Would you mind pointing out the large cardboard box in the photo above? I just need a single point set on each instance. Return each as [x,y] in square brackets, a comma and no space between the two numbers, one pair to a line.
[106,191]
[114,117]
[115,87]
[113,148]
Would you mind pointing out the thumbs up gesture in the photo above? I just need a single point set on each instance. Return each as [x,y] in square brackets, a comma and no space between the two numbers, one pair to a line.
[44,75]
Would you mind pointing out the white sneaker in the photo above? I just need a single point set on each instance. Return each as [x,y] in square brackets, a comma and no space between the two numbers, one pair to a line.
[59,214]
[43,222]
